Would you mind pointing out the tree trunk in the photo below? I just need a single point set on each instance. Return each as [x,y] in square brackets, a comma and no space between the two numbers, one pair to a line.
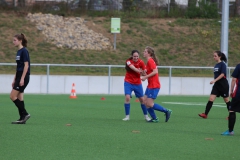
[21,3]
[237,7]
[82,5]
[172,3]
[192,3]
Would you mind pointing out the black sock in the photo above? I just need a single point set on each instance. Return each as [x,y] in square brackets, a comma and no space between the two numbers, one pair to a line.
[23,107]
[18,104]
[208,107]
[228,104]
[231,121]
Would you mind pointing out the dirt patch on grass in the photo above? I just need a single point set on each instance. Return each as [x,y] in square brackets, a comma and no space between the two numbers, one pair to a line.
[102,25]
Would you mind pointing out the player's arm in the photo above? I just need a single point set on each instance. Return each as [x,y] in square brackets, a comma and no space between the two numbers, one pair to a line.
[218,78]
[24,73]
[155,71]
[233,82]
[143,69]
[144,73]
[135,69]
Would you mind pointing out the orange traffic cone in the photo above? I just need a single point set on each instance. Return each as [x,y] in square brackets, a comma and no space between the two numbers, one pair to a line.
[73,92]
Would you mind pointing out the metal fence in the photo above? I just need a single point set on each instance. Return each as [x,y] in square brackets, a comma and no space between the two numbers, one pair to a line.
[171,70]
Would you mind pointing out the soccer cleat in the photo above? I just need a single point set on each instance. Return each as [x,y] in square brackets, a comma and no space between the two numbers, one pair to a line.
[203,115]
[227,133]
[153,120]
[126,119]
[20,121]
[147,118]
[168,114]
[25,118]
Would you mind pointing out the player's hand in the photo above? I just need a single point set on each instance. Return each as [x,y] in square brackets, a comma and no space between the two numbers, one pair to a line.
[212,82]
[13,83]
[143,78]
[144,73]
[140,70]
[21,82]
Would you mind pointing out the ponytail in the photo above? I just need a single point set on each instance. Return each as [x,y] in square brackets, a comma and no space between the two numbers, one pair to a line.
[222,56]
[152,54]
[22,37]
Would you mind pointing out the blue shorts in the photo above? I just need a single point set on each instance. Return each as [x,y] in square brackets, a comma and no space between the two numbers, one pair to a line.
[137,88]
[152,92]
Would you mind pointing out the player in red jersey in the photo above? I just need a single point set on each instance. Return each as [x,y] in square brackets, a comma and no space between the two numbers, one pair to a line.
[132,82]
[153,87]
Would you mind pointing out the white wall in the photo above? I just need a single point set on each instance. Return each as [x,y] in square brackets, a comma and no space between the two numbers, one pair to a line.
[99,85]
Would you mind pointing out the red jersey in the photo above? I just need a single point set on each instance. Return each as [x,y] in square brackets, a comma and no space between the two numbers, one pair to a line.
[153,82]
[132,76]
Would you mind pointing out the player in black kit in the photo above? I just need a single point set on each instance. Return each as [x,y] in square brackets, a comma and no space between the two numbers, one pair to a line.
[21,78]
[221,86]
[235,102]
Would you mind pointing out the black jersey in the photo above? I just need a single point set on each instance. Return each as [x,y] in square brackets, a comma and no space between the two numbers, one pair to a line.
[219,69]
[236,74]
[21,57]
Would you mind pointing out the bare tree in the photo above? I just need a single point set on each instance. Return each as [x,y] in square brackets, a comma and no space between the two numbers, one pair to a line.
[237,7]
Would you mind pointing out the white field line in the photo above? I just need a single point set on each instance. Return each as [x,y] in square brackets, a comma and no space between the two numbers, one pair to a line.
[195,104]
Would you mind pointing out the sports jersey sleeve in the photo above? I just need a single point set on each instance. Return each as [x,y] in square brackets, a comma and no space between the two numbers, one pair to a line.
[153,81]
[236,72]
[152,65]
[142,65]
[25,55]
[224,68]
[132,76]
[128,62]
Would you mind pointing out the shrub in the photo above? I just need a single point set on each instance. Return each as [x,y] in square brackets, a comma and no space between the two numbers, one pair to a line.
[204,10]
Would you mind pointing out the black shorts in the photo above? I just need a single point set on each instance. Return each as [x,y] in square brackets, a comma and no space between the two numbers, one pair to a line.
[221,88]
[235,104]
[17,81]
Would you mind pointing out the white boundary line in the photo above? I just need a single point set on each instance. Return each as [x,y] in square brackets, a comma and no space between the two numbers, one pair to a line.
[195,104]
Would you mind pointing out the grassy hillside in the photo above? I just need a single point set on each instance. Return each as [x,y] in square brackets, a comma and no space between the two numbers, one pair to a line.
[178,42]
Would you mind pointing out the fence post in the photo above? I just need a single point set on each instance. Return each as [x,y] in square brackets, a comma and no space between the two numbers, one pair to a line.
[170,78]
[228,75]
[48,66]
[109,79]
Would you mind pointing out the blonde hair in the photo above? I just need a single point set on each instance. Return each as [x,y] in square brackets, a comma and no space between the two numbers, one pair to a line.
[150,51]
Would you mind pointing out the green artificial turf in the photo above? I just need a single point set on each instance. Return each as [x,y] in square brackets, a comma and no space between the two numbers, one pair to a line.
[97,131]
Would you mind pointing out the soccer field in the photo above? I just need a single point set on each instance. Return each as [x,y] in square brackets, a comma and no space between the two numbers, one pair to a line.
[97,131]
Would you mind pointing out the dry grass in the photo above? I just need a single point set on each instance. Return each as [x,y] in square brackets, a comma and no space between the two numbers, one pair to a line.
[184,42]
